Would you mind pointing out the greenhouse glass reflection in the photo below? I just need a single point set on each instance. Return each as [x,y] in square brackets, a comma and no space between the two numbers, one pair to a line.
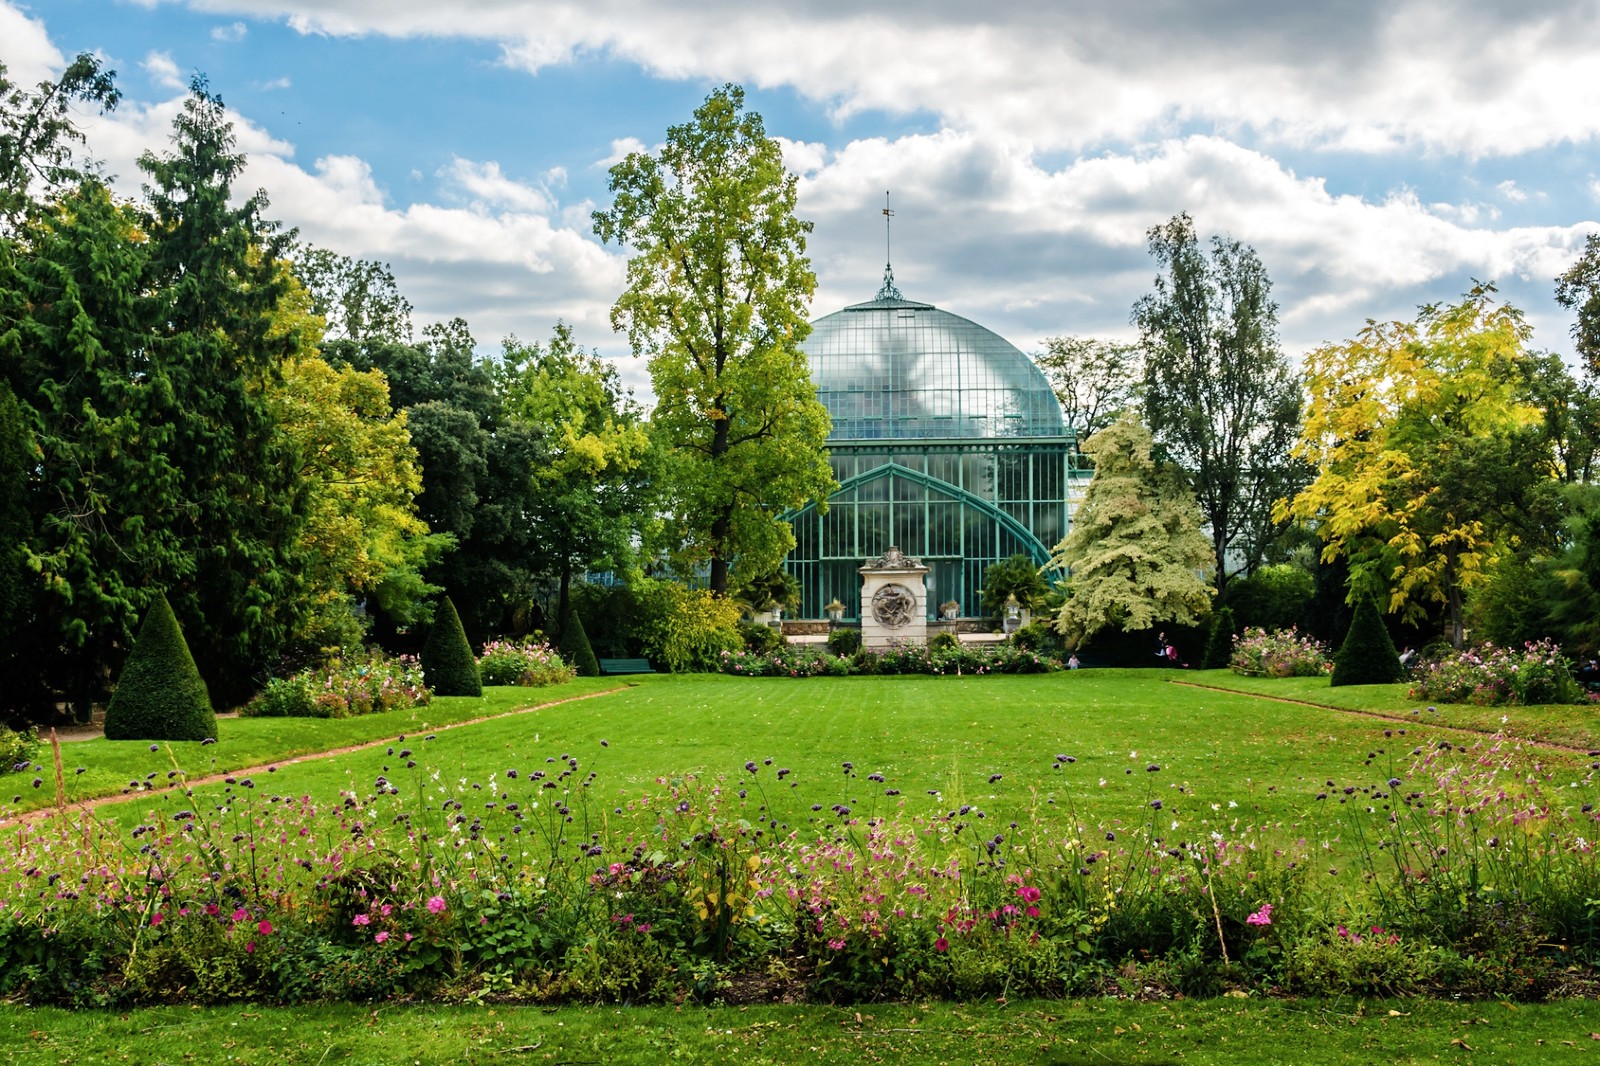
[947,442]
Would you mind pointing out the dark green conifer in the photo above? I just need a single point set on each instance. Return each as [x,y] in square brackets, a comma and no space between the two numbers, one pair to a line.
[1219,646]
[448,666]
[160,695]
[1367,656]
[576,650]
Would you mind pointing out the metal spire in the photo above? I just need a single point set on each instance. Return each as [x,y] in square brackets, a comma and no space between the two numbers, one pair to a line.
[888,290]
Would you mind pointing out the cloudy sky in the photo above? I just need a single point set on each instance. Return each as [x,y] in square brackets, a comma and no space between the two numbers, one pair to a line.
[1378,154]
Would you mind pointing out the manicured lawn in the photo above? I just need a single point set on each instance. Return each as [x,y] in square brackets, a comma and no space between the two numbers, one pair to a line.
[1086,1031]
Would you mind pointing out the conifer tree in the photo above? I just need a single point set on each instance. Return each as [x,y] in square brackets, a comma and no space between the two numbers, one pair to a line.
[160,695]
[575,648]
[1367,656]
[448,665]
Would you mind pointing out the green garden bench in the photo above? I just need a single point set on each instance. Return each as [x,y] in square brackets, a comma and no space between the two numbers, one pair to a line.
[625,666]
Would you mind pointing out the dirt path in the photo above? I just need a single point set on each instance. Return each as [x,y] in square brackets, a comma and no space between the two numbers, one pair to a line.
[90,805]
[1409,721]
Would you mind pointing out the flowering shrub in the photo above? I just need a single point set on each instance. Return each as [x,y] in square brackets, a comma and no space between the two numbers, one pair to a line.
[17,749]
[506,663]
[1489,676]
[1280,653]
[811,661]
[343,690]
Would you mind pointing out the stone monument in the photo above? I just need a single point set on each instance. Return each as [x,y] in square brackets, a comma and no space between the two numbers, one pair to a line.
[894,601]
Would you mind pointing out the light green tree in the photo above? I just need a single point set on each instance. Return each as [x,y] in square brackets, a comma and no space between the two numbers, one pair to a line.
[718,287]
[1135,556]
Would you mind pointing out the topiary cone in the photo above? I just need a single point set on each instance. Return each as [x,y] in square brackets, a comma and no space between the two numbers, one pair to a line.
[1219,647]
[575,648]
[160,695]
[1367,656]
[448,665]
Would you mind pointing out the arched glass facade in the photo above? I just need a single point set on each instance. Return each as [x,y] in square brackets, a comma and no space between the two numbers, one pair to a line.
[947,442]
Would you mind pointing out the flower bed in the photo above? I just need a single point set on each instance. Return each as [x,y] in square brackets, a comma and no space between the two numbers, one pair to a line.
[1490,676]
[1279,653]
[504,662]
[801,661]
[1470,874]
[343,690]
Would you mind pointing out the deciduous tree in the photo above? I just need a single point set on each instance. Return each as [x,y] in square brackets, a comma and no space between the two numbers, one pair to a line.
[1095,380]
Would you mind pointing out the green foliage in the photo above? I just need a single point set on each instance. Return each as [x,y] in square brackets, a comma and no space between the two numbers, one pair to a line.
[343,689]
[18,747]
[1578,289]
[944,642]
[1279,653]
[447,661]
[844,641]
[159,695]
[718,285]
[684,629]
[1016,576]
[527,663]
[1135,549]
[1219,642]
[38,134]
[575,647]
[760,638]
[1272,597]
[1367,656]
[1490,676]
[1095,380]
[1039,637]
[1218,395]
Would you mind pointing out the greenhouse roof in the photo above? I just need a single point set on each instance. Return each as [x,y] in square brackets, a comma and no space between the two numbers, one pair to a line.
[894,368]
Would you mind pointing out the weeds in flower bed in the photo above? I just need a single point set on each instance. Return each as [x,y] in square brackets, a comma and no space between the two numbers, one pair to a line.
[1280,653]
[1491,676]
[1463,867]
[528,664]
[344,689]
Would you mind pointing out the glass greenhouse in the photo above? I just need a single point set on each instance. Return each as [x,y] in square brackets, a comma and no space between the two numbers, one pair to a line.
[947,442]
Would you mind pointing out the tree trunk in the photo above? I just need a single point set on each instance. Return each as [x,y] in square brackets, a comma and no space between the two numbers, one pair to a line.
[719,552]
[562,600]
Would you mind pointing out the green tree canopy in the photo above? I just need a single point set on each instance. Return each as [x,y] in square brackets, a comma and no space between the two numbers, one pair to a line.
[718,286]
[1095,380]
[1135,554]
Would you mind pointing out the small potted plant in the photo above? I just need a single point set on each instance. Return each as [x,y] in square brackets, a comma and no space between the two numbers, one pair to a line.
[950,610]
[835,611]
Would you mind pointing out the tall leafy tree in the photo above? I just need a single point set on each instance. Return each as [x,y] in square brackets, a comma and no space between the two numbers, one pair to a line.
[592,480]
[1135,554]
[213,265]
[358,299]
[1218,395]
[718,286]
[1570,415]
[1095,380]
[1416,431]
[1578,289]
[38,137]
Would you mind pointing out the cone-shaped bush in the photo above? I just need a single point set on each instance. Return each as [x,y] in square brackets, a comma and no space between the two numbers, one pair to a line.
[1219,648]
[1367,656]
[576,650]
[160,695]
[448,667]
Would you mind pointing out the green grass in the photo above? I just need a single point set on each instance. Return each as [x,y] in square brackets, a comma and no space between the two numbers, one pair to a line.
[110,766]
[1089,1031]
[1225,757]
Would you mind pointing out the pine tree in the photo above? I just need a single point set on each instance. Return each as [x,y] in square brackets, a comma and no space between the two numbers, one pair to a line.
[1135,553]
[1367,656]
[1219,646]
[575,648]
[448,666]
[160,695]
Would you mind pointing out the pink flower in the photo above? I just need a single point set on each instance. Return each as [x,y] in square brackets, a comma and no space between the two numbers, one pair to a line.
[837,944]
[360,919]
[213,910]
[941,944]
[1029,894]
[380,937]
[250,948]
[264,927]
[436,904]
[1262,916]
[643,927]
[157,918]
[1032,912]
[409,938]
[240,915]
[386,910]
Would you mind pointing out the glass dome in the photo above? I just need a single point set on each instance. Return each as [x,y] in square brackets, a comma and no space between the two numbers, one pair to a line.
[895,369]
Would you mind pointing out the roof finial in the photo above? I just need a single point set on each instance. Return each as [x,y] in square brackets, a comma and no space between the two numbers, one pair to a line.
[888,290]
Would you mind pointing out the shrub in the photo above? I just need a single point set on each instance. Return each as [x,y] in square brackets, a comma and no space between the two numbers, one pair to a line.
[447,662]
[528,664]
[1367,656]
[342,689]
[686,629]
[760,638]
[575,647]
[1272,597]
[943,642]
[160,695]
[1283,653]
[844,641]
[1490,676]
[17,748]
[1219,645]
[1016,575]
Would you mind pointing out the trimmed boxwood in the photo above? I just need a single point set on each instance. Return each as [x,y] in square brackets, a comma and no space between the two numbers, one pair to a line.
[576,650]
[448,666]
[1367,656]
[1219,646]
[160,695]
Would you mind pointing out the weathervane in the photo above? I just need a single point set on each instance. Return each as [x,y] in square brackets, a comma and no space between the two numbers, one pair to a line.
[888,290]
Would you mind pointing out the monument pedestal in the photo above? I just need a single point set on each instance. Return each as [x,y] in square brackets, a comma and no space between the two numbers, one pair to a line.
[894,601]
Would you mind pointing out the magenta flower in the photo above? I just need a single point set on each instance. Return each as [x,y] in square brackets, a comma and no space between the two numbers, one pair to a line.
[240,915]
[436,905]
[381,937]
[157,918]
[941,944]
[264,927]
[1262,916]
[360,919]
[1029,894]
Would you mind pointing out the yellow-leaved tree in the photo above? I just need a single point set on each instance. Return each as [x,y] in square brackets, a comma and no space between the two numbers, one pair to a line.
[1413,431]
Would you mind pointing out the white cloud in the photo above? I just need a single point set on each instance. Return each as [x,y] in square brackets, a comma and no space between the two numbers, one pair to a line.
[26,49]
[162,70]
[620,150]
[234,31]
[486,186]
[275,84]
[1512,191]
